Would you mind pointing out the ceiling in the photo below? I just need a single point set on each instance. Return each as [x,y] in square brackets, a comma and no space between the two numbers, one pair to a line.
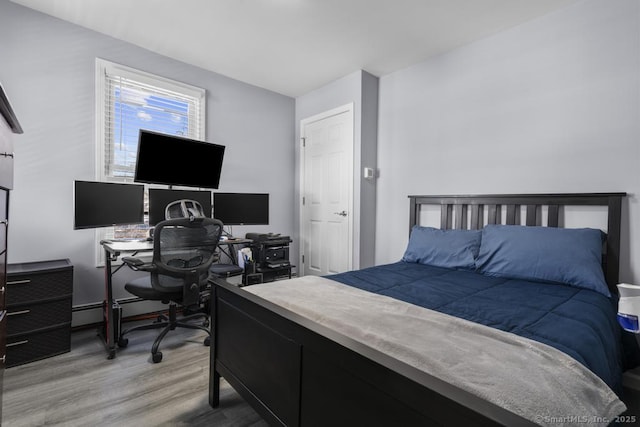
[294,46]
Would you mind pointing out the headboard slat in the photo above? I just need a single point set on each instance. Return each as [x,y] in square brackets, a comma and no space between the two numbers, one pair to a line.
[461,216]
[511,214]
[445,216]
[494,214]
[553,215]
[476,216]
[532,215]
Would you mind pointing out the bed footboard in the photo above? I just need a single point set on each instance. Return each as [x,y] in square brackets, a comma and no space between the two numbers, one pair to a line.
[295,372]
[260,362]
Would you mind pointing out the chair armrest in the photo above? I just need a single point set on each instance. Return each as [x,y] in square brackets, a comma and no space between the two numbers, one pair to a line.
[137,264]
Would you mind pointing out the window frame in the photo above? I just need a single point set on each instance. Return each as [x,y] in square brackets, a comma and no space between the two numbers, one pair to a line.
[104,68]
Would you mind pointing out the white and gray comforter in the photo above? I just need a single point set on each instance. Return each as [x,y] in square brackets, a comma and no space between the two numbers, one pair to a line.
[526,377]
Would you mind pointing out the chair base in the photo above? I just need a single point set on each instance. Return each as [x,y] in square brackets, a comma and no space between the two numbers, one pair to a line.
[168,324]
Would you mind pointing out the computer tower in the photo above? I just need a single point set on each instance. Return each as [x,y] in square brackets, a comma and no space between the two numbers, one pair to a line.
[116,319]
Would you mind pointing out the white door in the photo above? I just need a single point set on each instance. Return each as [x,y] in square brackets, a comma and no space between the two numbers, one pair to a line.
[327,192]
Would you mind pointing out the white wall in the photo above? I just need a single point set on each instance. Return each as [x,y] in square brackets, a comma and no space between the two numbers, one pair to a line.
[48,72]
[552,105]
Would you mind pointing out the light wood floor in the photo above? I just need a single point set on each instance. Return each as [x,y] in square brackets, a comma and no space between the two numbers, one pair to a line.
[83,388]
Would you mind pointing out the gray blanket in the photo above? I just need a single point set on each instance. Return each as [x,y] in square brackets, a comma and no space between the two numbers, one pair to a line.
[523,376]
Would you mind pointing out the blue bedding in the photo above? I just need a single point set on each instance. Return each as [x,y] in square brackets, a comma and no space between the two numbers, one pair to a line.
[579,322]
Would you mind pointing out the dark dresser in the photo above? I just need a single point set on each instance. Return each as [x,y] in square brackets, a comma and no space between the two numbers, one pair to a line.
[39,300]
[8,126]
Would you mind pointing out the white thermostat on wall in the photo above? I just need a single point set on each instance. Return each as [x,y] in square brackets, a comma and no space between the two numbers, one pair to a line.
[369,173]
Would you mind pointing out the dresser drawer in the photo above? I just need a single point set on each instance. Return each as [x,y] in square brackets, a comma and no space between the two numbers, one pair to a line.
[38,345]
[24,286]
[21,320]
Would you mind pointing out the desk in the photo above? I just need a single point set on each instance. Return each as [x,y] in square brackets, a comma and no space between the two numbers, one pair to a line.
[113,250]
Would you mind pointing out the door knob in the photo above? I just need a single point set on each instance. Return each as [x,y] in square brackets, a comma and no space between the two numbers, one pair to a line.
[343,213]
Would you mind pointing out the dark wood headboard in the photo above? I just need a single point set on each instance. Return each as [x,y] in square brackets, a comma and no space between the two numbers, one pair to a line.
[475,211]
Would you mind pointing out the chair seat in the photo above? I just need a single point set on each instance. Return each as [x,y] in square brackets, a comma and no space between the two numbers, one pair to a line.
[225,270]
[142,288]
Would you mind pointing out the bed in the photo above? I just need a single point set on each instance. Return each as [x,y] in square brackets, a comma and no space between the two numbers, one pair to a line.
[440,338]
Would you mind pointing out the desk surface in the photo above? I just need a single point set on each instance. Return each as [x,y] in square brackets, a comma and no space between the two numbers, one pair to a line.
[147,245]
[235,241]
[127,245]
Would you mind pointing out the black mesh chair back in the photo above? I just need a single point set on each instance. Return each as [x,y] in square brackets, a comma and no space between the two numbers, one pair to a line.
[184,248]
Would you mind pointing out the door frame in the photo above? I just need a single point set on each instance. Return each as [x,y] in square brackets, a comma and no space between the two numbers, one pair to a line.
[346,108]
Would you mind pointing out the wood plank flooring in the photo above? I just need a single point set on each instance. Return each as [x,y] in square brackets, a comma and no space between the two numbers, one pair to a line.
[83,388]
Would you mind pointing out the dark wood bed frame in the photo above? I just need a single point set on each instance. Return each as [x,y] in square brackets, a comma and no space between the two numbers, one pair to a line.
[296,372]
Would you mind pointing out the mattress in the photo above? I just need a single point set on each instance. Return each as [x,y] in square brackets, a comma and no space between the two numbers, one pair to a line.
[580,323]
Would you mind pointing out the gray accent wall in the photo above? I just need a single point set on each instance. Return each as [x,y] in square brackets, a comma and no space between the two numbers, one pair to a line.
[552,105]
[48,71]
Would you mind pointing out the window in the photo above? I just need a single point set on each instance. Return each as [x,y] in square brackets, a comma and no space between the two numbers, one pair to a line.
[128,100]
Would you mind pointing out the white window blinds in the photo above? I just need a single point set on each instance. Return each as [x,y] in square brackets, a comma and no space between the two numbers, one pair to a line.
[134,100]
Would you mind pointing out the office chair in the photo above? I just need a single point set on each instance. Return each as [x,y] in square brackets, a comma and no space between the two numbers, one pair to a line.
[183,250]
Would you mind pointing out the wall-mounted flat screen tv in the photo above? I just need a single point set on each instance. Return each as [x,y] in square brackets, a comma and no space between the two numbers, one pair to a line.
[241,208]
[104,204]
[174,160]
[159,198]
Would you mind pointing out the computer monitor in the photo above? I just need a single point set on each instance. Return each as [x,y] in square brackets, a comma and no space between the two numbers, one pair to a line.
[241,208]
[173,160]
[159,198]
[104,204]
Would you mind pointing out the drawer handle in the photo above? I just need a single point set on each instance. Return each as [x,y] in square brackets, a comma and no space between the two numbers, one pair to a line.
[13,344]
[15,313]
[19,282]
[7,155]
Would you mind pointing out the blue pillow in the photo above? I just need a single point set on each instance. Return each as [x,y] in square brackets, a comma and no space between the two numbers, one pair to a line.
[443,248]
[571,256]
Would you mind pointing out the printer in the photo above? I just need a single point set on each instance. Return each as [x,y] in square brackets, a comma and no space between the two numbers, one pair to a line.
[270,250]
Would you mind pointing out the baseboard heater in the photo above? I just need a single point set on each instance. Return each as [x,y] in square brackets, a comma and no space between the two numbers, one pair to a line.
[99,305]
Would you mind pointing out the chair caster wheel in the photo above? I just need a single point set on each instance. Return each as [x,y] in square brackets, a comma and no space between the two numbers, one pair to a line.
[123,342]
[207,341]
[156,357]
